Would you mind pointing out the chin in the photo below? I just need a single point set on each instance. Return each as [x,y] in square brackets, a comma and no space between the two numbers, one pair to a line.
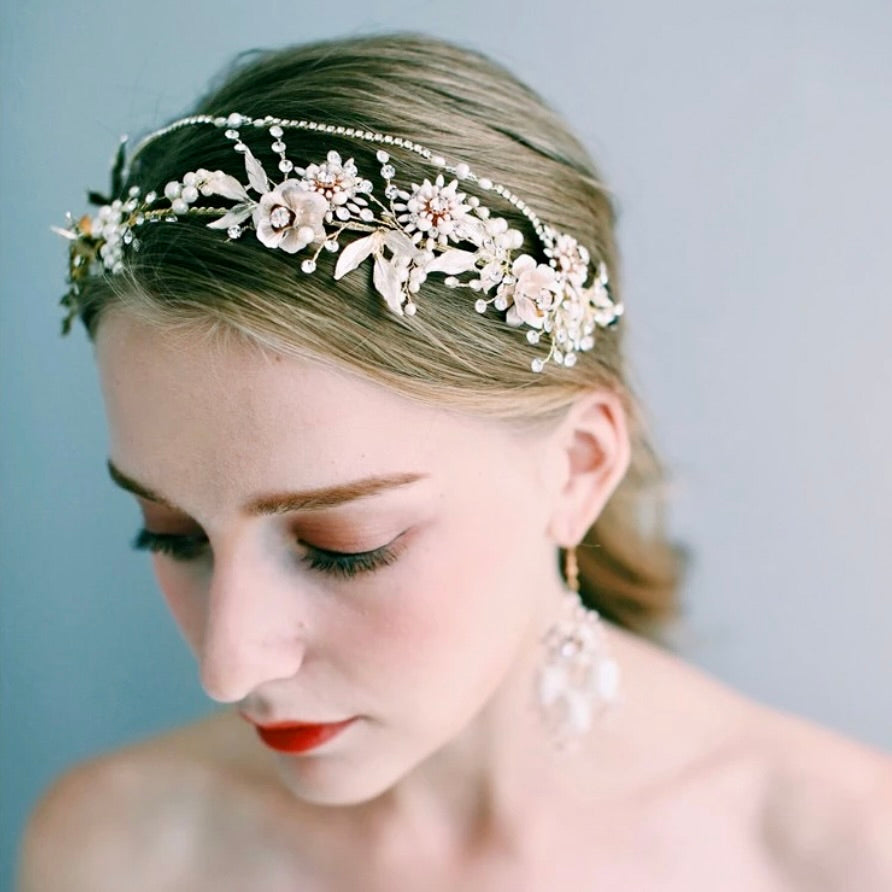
[337,779]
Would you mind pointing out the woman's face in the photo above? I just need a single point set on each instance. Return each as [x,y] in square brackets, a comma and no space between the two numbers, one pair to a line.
[261,471]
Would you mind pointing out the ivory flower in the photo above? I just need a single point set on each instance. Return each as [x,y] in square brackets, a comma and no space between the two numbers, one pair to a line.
[289,217]
[534,292]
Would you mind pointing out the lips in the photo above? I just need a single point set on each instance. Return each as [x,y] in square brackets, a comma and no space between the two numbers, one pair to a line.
[296,737]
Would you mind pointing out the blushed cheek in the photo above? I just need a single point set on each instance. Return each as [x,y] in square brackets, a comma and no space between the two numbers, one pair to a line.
[182,598]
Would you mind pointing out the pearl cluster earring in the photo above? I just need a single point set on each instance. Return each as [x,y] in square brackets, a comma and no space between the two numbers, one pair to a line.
[578,680]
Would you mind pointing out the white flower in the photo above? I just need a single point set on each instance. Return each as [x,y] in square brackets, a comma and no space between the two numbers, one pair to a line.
[534,292]
[337,181]
[437,212]
[289,217]
[571,258]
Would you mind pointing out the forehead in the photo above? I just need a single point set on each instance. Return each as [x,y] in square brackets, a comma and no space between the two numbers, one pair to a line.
[196,416]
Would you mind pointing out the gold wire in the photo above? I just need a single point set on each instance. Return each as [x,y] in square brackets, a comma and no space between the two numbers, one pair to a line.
[571,569]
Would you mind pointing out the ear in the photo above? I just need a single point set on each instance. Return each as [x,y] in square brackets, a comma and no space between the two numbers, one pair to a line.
[588,456]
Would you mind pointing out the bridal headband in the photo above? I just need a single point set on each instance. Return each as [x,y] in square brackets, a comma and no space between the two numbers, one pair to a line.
[414,232]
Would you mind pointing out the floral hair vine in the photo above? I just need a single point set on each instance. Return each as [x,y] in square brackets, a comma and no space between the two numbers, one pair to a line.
[425,229]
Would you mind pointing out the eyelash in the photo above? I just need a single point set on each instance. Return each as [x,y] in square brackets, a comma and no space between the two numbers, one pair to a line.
[333,563]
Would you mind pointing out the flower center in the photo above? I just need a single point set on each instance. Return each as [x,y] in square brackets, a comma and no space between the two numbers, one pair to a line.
[438,209]
[281,217]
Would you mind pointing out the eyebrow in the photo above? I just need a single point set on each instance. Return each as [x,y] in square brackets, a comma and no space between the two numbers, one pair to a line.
[282,502]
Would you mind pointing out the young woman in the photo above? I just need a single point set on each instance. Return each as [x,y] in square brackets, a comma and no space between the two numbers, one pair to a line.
[359,333]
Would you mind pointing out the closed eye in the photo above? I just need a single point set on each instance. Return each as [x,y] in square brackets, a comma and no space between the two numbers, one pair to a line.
[333,563]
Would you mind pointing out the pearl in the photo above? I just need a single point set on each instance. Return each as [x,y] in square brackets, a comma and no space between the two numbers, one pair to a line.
[411,308]
[190,179]
[306,233]
[190,194]
[308,266]
[537,365]
[462,170]
[484,183]
[172,190]
[480,305]
[178,206]
[234,120]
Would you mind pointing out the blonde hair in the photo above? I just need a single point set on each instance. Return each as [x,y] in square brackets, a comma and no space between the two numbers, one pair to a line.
[466,107]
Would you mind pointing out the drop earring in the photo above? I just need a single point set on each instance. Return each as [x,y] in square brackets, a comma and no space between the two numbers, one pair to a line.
[578,679]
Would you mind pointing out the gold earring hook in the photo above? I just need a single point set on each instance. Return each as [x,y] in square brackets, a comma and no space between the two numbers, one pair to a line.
[571,569]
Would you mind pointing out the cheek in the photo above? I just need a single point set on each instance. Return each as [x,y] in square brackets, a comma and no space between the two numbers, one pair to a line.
[446,628]
[183,593]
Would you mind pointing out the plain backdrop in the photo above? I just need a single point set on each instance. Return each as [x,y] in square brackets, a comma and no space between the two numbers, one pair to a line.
[750,146]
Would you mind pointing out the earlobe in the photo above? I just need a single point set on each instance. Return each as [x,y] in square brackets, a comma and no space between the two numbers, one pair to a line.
[592,445]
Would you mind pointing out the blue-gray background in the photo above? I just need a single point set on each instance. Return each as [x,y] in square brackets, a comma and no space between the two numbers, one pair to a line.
[750,146]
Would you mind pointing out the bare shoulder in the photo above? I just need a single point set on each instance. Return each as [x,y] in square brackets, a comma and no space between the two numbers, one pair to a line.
[121,819]
[827,812]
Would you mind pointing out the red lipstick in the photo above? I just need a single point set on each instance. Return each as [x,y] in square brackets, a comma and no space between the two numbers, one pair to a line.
[296,737]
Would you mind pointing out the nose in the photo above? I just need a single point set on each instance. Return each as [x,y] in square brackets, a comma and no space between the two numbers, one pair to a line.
[252,633]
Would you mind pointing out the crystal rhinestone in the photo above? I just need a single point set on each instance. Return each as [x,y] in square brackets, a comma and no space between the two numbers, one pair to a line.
[231,134]
[570,360]
[285,165]
[480,305]
[558,357]
[391,191]
[331,245]
[350,131]
[388,138]
[501,303]
[537,365]
[388,172]
[382,156]
[278,146]
[150,197]
[276,131]
[533,336]
[308,266]
[234,231]
[128,237]
[133,191]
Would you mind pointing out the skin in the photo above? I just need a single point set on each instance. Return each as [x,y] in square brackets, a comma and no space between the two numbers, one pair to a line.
[447,779]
